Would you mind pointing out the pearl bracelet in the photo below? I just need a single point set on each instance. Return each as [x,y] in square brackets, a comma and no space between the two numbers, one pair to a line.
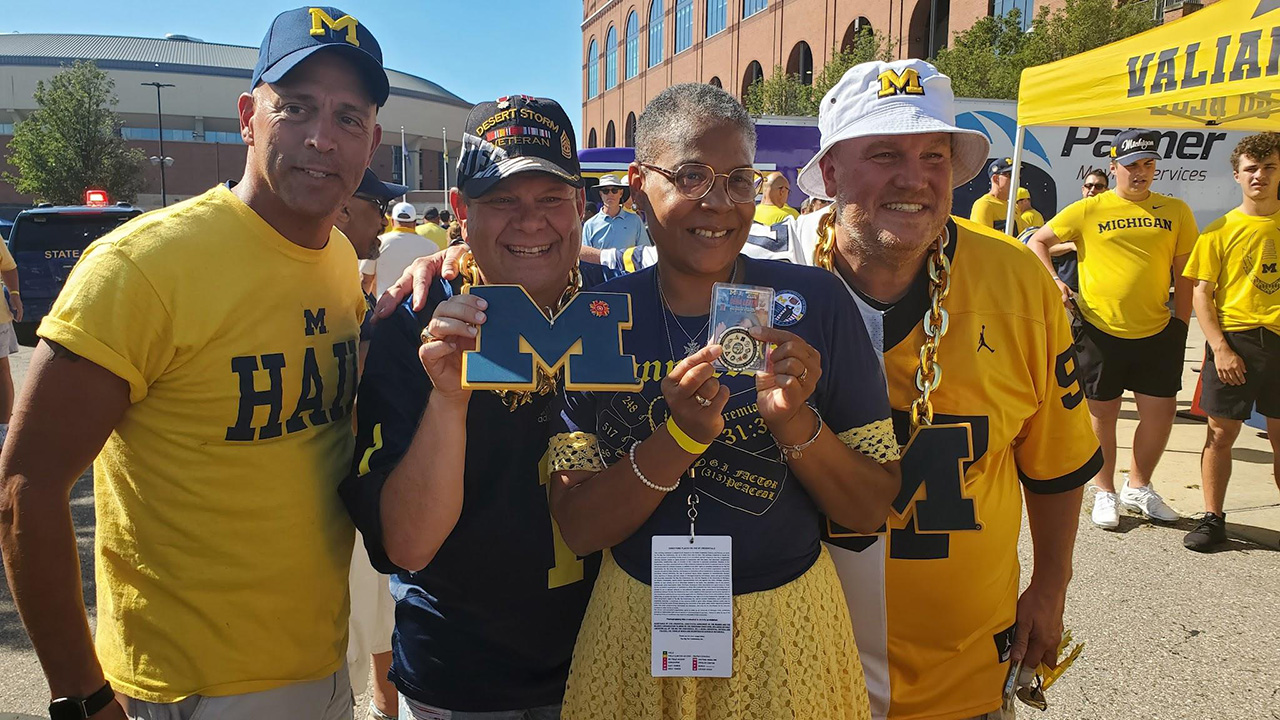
[648,483]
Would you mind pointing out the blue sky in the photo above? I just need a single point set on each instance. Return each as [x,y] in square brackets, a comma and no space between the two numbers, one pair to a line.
[477,49]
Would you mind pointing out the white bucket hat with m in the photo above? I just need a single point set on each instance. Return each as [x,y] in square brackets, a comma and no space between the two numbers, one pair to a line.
[903,97]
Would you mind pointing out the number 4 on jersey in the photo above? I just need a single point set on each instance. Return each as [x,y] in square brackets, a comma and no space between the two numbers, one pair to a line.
[932,499]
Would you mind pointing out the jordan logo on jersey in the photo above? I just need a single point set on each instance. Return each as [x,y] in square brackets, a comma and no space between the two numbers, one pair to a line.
[982,341]
[1264,275]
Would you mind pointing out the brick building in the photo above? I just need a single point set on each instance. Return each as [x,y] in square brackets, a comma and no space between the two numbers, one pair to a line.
[634,49]
[201,128]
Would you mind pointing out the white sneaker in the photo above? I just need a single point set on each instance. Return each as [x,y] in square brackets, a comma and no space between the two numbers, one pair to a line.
[1105,513]
[1148,502]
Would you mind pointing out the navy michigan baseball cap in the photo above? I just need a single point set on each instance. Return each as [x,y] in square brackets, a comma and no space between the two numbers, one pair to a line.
[295,34]
[1001,166]
[516,134]
[1131,146]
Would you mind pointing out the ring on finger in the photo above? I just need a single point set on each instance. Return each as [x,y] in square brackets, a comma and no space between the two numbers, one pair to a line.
[803,375]
[426,337]
[702,401]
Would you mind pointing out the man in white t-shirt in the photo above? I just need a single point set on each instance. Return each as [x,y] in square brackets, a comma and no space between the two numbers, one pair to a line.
[400,247]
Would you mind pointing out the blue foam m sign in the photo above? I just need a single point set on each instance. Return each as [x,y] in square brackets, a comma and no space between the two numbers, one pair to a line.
[585,338]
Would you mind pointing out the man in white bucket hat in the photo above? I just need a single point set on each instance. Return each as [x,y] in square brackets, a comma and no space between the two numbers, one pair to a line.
[934,594]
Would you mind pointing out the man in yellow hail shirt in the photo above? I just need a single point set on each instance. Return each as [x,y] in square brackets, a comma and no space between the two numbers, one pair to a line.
[1237,301]
[206,353]
[1131,242]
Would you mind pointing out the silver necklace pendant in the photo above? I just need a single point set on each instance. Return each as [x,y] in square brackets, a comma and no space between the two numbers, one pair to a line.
[691,347]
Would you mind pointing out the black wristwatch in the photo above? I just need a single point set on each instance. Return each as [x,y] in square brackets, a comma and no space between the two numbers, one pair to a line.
[73,708]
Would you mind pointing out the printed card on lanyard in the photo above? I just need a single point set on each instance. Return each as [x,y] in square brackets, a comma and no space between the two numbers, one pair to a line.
[692,606]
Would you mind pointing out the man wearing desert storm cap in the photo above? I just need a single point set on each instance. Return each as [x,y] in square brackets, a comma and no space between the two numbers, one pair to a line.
[206,354]
[995,408]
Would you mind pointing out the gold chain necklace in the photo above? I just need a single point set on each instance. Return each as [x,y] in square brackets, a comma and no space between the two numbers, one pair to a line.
[936,320]
[547,382]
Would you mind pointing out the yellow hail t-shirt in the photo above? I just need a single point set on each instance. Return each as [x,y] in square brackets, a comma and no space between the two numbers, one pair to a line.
[1009,416]
[772,214]
[1126,251]
[1237,252]
[1031,218]
[222,545]
[991,211]
[7,263]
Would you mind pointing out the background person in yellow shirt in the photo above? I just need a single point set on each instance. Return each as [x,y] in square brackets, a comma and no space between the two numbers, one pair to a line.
[1237,301]
[773,207]
[990,209]
[205,353]
[1029,216]
[1130,243]
[431,228]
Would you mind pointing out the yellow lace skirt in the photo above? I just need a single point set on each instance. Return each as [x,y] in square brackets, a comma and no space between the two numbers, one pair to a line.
[793,657]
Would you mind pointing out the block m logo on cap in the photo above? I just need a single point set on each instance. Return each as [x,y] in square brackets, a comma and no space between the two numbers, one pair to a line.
[322,24]
[908,83]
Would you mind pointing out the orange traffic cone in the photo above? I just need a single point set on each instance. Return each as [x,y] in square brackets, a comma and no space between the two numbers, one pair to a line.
[1195,412]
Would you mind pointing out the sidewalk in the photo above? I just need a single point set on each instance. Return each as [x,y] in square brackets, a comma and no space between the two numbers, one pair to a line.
[1253,501]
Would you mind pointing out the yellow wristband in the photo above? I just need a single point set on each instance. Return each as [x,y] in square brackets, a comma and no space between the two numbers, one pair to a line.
[691,446]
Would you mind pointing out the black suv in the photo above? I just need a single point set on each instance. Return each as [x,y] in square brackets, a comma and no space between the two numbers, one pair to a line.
[46,242]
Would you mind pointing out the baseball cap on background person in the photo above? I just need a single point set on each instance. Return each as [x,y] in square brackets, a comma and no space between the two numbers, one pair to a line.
[1003,166]
[1131,146]
[608,181]
[295,34]
[516,134]
[383,192]
[903,97]
[1023,194]
[432,214]
[403,212]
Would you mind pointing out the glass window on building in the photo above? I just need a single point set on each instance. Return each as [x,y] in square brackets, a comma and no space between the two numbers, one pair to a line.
[593,65]
[1025,8]
[137,133]
[611,59]
[684,24]
[6,128]
[633,45]
[226,138]
[717,16]
[751,7]
[655,33]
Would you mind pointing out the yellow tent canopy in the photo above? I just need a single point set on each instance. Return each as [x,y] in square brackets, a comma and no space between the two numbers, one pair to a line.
[1218,67]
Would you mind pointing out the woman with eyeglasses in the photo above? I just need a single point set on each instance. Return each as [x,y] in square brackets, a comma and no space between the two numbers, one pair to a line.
[760,458]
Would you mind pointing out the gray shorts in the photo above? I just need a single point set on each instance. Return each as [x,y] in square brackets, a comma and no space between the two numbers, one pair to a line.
[324,699]
[8,340]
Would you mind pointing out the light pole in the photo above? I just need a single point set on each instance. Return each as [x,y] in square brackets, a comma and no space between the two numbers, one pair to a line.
[163,160]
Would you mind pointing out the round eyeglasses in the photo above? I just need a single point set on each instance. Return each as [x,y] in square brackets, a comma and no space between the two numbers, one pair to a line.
[694,181]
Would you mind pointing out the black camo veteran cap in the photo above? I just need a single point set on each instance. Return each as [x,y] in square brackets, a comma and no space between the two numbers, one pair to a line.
[516,134]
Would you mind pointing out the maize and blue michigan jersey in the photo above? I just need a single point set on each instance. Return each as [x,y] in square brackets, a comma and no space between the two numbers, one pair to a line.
[491,622]
[933,595]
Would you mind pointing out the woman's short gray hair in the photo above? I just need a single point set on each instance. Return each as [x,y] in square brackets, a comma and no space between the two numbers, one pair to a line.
[681,112]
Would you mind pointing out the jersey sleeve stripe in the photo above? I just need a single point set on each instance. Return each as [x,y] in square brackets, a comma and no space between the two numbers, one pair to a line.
[1064,483]
[575,451]
[875,440]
